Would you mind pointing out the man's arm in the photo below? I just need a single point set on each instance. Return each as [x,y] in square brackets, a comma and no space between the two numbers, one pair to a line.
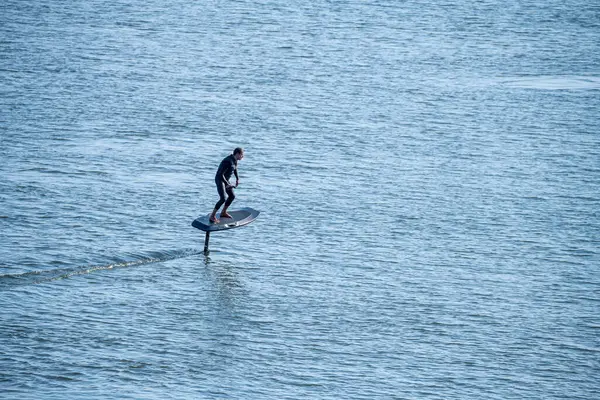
[227,184]
[223,179]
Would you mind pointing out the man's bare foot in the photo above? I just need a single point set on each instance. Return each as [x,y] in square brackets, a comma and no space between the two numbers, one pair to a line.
[225,215]
[213,220]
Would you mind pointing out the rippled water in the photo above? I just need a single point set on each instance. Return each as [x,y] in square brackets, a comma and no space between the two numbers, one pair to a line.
[427,175]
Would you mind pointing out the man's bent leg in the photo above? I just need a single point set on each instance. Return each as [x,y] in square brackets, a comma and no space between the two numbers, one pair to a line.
[221,190]
[230,198]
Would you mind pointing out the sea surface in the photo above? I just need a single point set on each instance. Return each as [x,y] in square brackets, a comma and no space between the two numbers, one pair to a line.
[428,176]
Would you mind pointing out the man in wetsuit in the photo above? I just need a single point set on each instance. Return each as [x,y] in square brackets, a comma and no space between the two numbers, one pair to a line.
[226,168]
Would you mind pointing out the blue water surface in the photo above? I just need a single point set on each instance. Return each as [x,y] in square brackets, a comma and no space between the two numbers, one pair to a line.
[428,176]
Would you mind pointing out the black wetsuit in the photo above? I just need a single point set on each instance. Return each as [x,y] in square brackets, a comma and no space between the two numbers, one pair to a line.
[226,168]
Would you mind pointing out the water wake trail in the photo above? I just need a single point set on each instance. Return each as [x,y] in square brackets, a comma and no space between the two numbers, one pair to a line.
[47,275]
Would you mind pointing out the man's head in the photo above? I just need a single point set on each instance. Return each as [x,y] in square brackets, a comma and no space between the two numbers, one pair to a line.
[238,153]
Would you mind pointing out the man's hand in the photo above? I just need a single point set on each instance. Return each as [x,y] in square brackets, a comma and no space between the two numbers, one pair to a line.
[237,182]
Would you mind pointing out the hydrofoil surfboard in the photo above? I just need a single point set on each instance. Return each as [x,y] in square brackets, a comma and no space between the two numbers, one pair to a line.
[239,218]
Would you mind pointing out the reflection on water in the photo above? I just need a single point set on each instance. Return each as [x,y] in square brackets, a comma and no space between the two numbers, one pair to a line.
[225,277]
